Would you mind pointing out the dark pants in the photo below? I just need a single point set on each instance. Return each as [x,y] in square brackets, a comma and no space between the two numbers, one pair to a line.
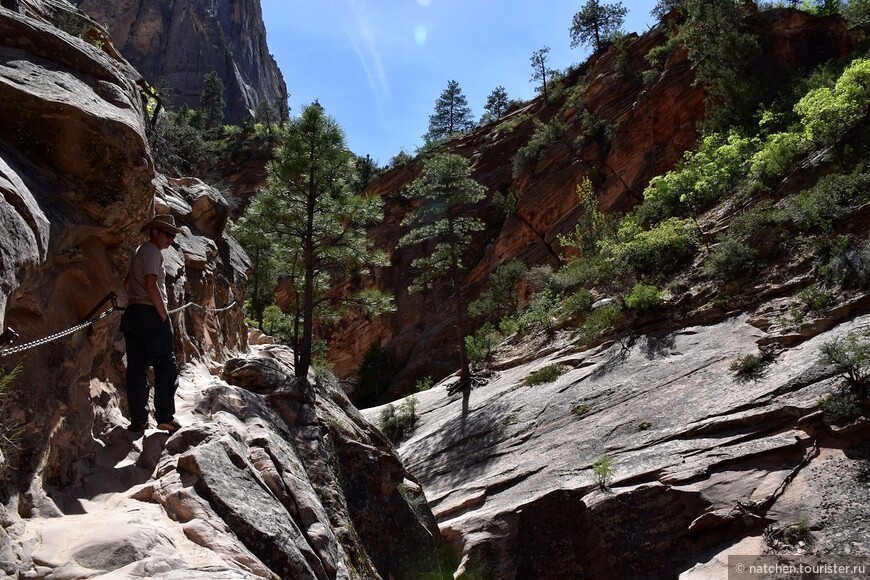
[149,341]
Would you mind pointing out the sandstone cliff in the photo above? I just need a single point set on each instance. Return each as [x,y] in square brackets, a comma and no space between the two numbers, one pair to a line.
[268,478]
[646,129]
[173,44]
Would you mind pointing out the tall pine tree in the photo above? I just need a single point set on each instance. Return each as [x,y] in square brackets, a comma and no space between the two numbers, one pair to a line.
[496,105]
[211,101]
[452,114]
[542,73]
[308,207]
[596,23]
[445,190]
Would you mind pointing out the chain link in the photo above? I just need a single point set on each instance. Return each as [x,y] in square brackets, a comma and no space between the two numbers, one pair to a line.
[67,332]
[53,337]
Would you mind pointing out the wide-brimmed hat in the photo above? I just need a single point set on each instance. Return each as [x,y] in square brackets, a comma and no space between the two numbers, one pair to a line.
[163,222]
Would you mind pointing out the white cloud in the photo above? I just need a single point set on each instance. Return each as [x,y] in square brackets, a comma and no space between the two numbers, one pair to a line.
[362,36]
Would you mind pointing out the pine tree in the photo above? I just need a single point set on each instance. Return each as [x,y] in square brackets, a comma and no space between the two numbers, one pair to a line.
[211,101]
[723,52]
[539,61]
[445,189]
[452,114]
[596,23]
[664,7]
[266,116]
[310,211]
[496,104]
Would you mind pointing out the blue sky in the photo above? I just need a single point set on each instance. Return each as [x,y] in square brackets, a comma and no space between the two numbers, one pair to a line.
[378,66]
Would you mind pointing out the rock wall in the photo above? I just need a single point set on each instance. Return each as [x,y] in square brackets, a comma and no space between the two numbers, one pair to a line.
[269,478]
[649,127]
[704,464]
[174,43]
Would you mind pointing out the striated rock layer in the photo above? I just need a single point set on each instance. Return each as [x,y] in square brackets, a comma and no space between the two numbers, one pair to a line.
[175,43]
[703,464]
[269,478]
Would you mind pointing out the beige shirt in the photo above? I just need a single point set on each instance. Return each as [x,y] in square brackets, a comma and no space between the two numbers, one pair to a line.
[147,259]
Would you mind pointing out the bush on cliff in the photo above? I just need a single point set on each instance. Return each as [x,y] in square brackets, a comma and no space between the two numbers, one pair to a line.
[397,423]
[850,358]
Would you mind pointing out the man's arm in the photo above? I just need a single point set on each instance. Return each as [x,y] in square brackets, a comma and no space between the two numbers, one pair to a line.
[154,296]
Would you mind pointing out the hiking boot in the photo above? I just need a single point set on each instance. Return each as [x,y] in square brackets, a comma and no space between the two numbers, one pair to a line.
[169,426]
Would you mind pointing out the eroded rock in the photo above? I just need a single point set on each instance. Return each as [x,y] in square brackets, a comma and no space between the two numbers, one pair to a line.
[702,462]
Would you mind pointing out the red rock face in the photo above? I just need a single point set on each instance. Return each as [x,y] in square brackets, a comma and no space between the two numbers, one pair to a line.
[649,127]
[177,43]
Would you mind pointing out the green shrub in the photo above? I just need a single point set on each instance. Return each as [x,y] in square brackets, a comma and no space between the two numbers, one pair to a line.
[176,143]
[577,303]
[815,298]
[840,406]
[511,419]
[850,358]
[602,471]
[509,125]
[575,96]
[540,314]
[480,346]
[545,135]
[857,12]
[827,112]
[731,259]
[812,211]
[424,384]
[593,227]
[655,252]
[751,239]
[794,534]
[658,55]
[397,423]
[643,298]
[607,273]
[277,324]
[599,321]
[777,155]
[844,261]
[508,326]
[547,374]
[501,298]
[400,159]
[723,52]
[748,367]
[319,357]
[700,179]
[580,409]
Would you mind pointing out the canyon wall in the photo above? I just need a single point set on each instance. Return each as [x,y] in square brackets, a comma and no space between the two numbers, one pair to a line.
[173,44]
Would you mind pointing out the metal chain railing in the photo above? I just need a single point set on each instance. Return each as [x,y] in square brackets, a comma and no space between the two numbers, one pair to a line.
[111,296]
[189,304]
[53,337]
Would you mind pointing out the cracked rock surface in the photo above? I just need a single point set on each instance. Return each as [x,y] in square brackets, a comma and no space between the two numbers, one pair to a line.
[702,462]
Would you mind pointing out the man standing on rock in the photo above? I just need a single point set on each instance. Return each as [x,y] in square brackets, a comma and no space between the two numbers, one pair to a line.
[148,330]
